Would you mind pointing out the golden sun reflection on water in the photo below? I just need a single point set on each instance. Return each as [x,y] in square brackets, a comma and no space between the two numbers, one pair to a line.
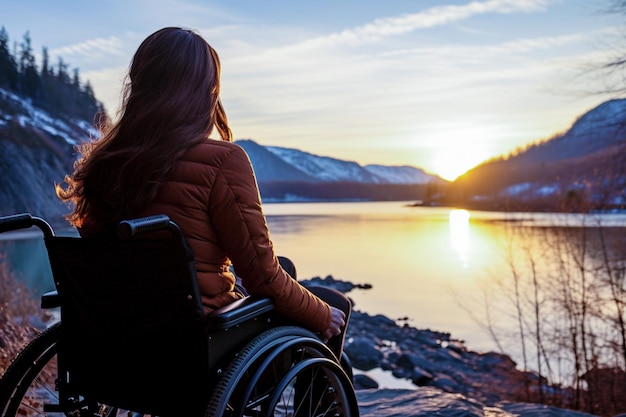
[460,234]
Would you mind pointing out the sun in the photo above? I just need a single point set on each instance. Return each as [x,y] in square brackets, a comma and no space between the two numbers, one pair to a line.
[450,163]
[450,168]
[459,146]
[451,149]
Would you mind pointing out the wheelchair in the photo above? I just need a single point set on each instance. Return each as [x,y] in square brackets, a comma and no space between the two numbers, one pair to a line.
[133,340]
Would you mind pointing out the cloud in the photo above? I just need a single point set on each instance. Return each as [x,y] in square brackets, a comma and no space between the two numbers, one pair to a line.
[436,16]
[107,82]
[93,48]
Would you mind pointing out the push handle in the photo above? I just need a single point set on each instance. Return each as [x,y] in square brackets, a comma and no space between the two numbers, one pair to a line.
[15,222]
[24,221]
[127,229]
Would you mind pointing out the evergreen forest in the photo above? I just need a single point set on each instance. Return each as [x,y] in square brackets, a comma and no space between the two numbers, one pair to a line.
[51,87]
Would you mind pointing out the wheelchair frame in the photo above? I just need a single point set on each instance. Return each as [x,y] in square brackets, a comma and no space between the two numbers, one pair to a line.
[257,363]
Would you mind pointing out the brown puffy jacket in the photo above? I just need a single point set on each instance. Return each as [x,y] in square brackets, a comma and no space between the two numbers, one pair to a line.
[213,196]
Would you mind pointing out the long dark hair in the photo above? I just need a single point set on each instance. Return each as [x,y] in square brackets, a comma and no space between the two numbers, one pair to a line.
[170,103]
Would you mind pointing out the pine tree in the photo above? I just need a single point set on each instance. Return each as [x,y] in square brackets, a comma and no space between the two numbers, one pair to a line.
[57,92]
[45,62]
[30,82]
[8,67]
[62,74]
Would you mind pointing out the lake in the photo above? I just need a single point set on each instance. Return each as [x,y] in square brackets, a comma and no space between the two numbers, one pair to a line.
[442,268]
[430,265]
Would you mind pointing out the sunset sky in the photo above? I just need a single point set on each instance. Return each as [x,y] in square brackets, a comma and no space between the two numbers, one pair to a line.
[438,84]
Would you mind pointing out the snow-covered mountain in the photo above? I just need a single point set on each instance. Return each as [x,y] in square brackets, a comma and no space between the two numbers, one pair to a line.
[403,174]
[274,163]
[269,167]
[324,168]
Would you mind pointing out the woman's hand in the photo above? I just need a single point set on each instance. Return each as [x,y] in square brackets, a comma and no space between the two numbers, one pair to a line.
[337,322]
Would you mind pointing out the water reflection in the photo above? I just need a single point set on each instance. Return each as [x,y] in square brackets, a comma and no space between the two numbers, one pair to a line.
[459,234]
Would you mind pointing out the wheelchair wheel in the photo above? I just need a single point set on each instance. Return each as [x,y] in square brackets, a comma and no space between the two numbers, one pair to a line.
[29,385]
[286,371]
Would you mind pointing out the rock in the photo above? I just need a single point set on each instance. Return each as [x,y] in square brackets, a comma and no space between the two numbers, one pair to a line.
[422,402]
[412,360]
[330,282]
[362,353]
[384,321]
[362,381]
[431,401]
[420,376]
[446,383]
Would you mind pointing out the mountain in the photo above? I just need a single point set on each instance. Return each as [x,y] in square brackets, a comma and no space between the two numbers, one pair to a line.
[36,151]
[600,128]
[276,164]
[582,169]
[324,168]
[287,174]
[403,174]
[268,167]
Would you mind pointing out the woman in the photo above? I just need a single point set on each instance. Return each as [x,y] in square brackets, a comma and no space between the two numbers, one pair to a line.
[158,159]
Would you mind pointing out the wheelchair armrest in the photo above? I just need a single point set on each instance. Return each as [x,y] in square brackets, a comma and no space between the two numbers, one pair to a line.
[50,299]
[238,312]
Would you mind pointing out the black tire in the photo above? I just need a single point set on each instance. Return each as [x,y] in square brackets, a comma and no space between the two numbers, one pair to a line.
[271,366]
[29,381]
[28,387]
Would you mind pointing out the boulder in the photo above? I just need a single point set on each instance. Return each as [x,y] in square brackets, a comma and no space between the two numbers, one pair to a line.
[363,353]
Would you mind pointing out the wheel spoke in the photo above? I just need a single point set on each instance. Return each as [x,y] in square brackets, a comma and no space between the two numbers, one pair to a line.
[286,371]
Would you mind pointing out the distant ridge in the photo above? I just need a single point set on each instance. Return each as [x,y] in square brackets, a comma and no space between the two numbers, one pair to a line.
[287,174]
[268,167]
[403,174]
[581,169]
[279,164]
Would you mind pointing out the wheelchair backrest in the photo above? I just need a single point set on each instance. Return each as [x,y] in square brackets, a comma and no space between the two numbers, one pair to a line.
[132,321]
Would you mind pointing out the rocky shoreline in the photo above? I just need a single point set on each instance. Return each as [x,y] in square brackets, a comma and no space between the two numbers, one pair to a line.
[446,378]
[443,377]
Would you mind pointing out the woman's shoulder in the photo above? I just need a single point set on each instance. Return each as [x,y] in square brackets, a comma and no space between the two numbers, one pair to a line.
[216,145]
[214,151]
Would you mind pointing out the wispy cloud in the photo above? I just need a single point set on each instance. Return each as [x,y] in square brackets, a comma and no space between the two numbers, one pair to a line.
[112,45]
[436,16]
[295,81]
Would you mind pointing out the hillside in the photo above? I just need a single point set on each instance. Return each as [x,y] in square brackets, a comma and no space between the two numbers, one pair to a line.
[36,151]
[582,169]
[44,111]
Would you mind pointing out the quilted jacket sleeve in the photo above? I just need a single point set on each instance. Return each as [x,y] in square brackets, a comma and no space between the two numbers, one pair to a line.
[237,216]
